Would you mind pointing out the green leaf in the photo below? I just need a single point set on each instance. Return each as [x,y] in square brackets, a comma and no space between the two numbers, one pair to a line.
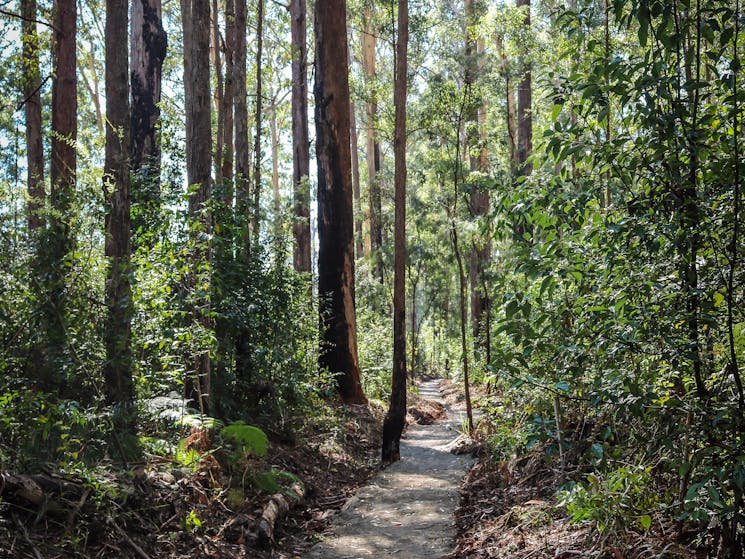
[646,522]
[643,24]
[251,438]
[511,309]
[270,482]
[714,497]
[597,450]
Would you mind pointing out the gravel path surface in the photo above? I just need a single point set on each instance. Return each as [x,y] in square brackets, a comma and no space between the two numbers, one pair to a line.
[407,510]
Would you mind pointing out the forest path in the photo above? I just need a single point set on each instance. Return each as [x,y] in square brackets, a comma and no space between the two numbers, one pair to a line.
[407,510]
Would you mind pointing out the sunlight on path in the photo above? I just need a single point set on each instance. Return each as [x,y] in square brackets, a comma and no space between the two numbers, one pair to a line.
[407,510]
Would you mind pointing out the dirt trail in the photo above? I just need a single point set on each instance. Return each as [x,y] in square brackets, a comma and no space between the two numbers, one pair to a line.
[407,510]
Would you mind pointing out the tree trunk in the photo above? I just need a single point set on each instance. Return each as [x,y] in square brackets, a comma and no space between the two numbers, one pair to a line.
[358,234]
[524,107]
[226,108]
[196,22]
[218,95]
[607,195]
[255,217]
[395,419]
[274,135]
[62,178]
[34,145]
[373,146]
[463,321]
[242,163]
[118,332]
[148,51]
[300,137]
[479,198]
[414,327]
[335,215]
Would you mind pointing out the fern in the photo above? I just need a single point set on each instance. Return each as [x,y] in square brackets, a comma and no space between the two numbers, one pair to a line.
[252,439]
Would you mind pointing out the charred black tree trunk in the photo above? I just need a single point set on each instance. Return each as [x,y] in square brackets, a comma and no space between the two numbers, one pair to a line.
[335,215]
[148,51]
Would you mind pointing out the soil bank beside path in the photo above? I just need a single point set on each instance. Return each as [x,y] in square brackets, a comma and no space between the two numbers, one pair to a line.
[407,510]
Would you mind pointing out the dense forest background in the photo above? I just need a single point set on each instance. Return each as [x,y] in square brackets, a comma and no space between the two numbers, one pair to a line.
[173,223]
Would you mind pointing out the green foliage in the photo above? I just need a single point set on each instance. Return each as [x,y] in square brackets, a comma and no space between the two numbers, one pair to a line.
[192,522]
[187,456]
[373,338]
[272,481]
[36,429]
[613,501]
[251,440]
[268,353]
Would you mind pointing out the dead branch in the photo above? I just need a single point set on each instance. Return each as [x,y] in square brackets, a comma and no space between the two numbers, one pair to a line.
[275,510]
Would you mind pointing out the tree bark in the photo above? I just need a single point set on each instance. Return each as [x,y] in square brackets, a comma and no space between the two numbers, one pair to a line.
[119,386]
[257,137]
[274,136]
[62,178]
[242,163]
[414,350]
[300,136]
[373,146]
[226,109]
[463,321]
[358,234]
[335,215]
[275,510]
[34,145]
[215,51]
[148,51]
[196,22]
[395,419]
[524,106]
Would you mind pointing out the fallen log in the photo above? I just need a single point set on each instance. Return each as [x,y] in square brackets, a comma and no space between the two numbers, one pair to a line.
[275,510]
[39,489]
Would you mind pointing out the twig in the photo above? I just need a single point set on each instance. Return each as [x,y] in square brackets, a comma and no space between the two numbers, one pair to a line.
[167,522]
[74,512]
[24,532]
[34,92]
[129,540]
[24,18]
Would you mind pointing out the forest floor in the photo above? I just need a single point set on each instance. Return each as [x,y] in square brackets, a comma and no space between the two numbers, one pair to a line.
[421,506]
[510,509]
[160,509]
